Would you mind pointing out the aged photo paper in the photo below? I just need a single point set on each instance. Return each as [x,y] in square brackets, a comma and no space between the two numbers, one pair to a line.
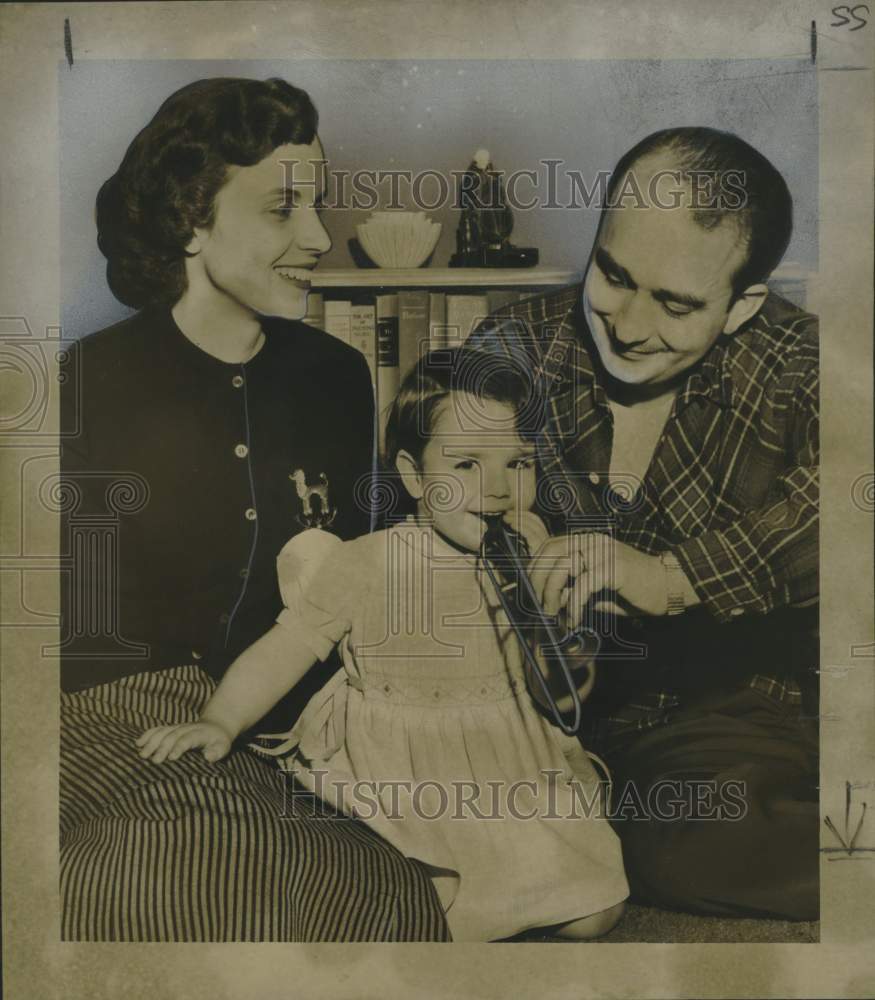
[402,85]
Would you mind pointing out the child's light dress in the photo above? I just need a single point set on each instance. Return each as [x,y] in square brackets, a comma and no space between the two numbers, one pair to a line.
[430,736]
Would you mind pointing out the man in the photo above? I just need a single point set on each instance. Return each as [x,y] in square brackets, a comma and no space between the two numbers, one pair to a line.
[679,461]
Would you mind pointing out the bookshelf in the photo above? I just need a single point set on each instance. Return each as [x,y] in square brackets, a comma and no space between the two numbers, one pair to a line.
[787,276]
[445,277]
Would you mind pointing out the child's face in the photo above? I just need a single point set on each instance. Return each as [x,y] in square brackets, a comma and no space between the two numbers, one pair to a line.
[475,462]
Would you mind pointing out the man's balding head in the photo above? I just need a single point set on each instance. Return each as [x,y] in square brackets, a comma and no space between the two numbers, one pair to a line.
[725,180]
[695,221]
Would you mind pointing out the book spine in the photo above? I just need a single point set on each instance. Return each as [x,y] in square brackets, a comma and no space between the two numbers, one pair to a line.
[412,329]
[388,379]
[337,319]
[452,331]
[437,321]
[363,335]
[501,297]
[464,312]
[315,310]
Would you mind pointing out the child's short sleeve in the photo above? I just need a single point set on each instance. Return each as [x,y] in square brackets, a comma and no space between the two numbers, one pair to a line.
[316,576]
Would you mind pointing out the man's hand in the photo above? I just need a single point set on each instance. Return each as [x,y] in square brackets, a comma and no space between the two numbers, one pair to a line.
[165,743]
[568,571]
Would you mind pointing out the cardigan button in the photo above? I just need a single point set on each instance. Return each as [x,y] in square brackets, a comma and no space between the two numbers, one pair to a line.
[241,451]
[250,514]
[237,381]
[224,618]
[594,478]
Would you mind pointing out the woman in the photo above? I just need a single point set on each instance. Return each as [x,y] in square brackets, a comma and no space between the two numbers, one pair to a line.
[199,435]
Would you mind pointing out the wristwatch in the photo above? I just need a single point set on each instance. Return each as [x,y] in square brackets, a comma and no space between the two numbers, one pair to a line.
[675,579]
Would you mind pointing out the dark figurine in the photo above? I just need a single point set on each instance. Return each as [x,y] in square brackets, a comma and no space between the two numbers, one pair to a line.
[487,221]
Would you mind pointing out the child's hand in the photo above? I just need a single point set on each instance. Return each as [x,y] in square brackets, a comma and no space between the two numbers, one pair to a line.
[171,742]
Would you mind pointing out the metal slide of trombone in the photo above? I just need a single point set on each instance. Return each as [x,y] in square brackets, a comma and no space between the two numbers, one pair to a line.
[505,555]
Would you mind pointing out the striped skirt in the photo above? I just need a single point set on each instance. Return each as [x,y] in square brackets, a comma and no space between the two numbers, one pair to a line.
[193,851]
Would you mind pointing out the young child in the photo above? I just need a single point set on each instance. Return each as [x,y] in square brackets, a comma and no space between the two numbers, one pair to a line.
[429,733]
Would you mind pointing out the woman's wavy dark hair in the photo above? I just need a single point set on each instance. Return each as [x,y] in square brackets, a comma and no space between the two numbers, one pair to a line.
[169,178]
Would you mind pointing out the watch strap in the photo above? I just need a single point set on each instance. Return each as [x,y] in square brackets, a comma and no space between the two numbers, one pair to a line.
[674,578]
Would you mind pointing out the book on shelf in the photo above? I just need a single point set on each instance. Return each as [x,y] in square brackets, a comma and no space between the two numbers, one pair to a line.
[498,298]
[413,312]
[464,312]
[388,379]
[315,310]
[437,320]
[337,318]
[363,334]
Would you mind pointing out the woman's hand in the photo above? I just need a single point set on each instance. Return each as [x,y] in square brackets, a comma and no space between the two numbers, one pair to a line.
[164,743]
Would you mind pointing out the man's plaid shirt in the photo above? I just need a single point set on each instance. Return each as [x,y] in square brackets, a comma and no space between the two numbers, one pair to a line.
[731,491]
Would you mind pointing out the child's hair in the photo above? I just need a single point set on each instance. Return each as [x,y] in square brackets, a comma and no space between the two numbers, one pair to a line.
[478,373]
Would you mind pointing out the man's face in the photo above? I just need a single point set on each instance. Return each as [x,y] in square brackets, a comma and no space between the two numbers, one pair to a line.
[267,236]
[657,292]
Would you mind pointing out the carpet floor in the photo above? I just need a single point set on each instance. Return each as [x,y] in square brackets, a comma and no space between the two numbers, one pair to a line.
[646,924]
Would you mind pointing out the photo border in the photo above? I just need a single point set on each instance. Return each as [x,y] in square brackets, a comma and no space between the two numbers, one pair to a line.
[34,41]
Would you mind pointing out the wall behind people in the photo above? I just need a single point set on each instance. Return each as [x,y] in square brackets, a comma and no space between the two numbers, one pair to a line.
[414,116]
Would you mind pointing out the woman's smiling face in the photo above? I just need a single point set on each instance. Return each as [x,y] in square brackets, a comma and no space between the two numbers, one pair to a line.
[266,236]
